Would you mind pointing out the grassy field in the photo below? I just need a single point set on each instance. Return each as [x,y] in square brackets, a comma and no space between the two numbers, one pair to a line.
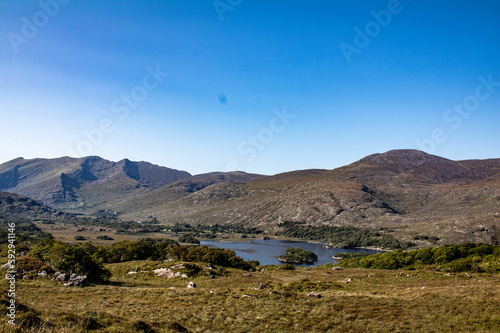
[373,301]
[66,233]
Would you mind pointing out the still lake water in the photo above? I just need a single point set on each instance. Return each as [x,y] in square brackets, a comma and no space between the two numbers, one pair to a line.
[268,251]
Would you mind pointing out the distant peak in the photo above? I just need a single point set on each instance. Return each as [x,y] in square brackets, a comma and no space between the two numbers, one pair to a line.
[406,157]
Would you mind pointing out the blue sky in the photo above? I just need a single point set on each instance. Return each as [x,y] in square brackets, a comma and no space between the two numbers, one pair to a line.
[258,86]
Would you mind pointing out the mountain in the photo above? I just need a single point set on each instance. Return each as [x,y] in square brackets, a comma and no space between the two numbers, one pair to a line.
[19,207]
[409,193]
[87,182]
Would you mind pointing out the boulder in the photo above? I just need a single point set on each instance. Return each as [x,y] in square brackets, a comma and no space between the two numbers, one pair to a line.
[166,273]
[76,281]
[60,277]
[178,266]
[314,295]
[337,268]
[191,284]
[262,286]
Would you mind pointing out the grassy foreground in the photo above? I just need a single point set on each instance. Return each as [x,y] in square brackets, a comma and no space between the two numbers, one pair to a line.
[373,301]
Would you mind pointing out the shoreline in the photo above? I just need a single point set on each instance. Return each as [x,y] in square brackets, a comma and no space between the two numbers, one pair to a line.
[301,240]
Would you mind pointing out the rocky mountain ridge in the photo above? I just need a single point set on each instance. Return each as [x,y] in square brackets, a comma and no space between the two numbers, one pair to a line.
[408,192]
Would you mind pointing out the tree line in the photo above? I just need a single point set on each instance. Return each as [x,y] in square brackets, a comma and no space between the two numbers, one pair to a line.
[342,237]
[466,257]
[88,259]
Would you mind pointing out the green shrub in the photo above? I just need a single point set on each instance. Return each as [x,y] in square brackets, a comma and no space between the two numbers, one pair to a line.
[82,259]
[189,238]
[104,237]
[467,257]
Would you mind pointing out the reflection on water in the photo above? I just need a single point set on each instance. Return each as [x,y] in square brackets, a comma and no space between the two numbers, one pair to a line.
[268,251]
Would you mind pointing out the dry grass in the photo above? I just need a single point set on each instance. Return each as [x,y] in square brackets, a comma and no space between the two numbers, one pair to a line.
[382,302]
[66,232]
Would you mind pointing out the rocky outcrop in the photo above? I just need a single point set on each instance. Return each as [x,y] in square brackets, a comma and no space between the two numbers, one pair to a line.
[76,281]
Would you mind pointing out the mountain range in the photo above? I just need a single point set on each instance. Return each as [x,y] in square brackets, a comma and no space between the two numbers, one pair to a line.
[412,194]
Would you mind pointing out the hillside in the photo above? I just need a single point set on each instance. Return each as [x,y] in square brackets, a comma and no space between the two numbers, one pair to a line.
[67,183]
[19,207]
[412,195]
[408,192]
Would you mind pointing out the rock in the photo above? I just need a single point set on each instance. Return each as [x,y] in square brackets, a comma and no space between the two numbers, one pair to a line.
[447,274]
[42,273]
[314,295]
[274,292]
[60,277]
[262,286]
[191,284]
[166,273]
[247,274]
[131,272]
[337,268]
[76,281]
[246,296]
[178,266]
[467,275]
[347,280]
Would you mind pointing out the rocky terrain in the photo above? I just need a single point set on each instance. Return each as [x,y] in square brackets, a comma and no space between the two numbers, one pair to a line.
[19,207]
[413,195]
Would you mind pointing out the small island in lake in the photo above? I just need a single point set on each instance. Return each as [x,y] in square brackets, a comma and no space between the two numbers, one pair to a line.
[296,255]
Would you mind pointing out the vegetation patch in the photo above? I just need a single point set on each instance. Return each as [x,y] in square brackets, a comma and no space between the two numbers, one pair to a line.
[467,257]
[342,237]
[296,255]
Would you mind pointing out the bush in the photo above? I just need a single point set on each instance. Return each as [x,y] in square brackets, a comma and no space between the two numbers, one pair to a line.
[189,238]
[82,259]
[104,237]
[79,238]
[29,264]
[288,267]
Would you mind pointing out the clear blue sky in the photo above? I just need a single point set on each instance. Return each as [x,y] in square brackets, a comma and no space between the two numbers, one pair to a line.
[259,86]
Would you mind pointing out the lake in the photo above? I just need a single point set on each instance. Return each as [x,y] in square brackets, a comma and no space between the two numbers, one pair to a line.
[268,251]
